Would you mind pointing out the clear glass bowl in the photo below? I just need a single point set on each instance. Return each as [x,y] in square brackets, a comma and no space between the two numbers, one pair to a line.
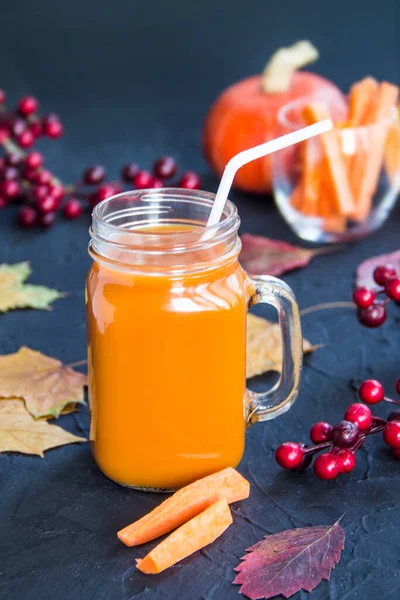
[355,144]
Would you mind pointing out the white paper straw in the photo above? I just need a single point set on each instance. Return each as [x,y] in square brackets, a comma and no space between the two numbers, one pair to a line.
[246,156]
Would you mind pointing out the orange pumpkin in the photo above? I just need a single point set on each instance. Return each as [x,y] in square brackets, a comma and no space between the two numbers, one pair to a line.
[246,114]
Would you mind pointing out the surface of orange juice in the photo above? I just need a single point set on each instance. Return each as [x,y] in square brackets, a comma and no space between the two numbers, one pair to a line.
[167,372]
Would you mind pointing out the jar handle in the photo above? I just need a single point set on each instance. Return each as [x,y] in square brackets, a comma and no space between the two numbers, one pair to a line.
[268,405]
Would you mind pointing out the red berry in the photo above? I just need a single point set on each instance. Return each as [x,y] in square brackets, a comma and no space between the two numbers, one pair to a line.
[326,466]
[25,139]
[396,453]
[392,289]
[398,386]
[363,297]
[129,172]
[17,126]
[345,434]
[27,216]
[4,133]
[371,391]
[373,316]
[40,192]
[47,205]
[12,159]
[43,177]
[164,168]
[9,173]
[289,455]
[320,432]
[391,434]
[359,414]
[72,209]
[190,181]
[346,461]
[10,189]
[2,96]
[104,191]
[33,160]
[93,175]
[30,175]
[156,183]
[27,105]
[3,202]
[47,219]
[143,180]
[52,126]
[56,191]
[383,273]
[36,128]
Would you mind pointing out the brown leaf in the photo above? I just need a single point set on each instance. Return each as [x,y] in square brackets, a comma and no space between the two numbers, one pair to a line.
[264,346]
[46,385]
[263,256]
[365,270]
[20,432]
[289,561]
[14,293]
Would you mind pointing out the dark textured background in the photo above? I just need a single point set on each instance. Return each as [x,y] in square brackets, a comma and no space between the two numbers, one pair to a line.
[132,80]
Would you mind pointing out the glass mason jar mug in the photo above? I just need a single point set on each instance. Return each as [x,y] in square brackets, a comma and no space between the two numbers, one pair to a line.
[166,317]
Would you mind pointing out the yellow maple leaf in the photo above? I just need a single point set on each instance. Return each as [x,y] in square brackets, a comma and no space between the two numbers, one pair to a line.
[14,293]
[20,432]
[264,346]
[46,385]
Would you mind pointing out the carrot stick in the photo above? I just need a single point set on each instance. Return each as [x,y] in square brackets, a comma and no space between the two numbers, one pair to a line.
[380,117]
[190,537]
[336,168]
[185,504]
[392,153]
[361,101]
[332,221]
[311,181]
[296,199]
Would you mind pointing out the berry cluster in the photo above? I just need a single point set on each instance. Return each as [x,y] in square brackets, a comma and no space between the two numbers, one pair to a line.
[24,179]
[372,312]
[346,437]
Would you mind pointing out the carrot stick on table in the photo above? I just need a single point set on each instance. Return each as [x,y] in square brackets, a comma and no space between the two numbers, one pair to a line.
[185,504]
[193,535]
[380,116]
[333,160]
[361,101]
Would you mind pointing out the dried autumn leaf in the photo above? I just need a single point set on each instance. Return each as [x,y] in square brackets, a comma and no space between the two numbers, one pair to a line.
[289,561]
[365,270]
[14,293]
[46,385]
[264,346]
[20,432]
[263,256]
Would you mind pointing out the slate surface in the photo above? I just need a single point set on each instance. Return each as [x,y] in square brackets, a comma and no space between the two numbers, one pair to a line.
[133,80]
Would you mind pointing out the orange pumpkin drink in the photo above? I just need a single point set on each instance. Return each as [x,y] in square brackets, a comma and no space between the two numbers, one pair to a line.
[166,315]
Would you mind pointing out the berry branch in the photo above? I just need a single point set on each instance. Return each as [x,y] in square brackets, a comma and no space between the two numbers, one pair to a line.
[372,311]
[345,438]
[42,194]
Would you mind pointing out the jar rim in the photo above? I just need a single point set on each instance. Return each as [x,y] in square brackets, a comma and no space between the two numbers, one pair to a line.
[127,229]
[103,226]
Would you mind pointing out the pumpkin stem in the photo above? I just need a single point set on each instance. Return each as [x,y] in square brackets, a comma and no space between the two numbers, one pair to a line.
[281,66]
